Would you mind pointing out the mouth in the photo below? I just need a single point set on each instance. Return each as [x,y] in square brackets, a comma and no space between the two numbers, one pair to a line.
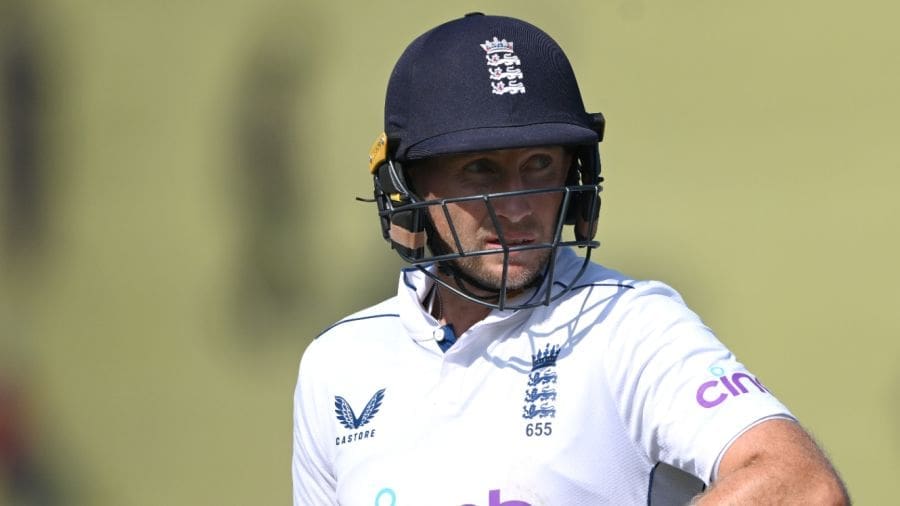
[511,241]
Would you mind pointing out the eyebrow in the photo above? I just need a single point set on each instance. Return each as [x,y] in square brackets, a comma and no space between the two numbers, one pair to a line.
[473,157]
[481,159]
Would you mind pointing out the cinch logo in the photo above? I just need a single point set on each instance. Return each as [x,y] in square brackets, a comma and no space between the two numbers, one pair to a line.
[387,497]
[712,393]
[494,500]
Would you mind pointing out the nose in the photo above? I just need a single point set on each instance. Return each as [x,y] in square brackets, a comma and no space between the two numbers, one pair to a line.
[512,208]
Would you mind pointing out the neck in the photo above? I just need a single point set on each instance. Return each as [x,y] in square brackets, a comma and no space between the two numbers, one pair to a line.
[450,308]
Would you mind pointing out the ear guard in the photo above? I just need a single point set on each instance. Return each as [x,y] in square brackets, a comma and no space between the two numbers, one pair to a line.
[403,227]
[584,178]
[585,171]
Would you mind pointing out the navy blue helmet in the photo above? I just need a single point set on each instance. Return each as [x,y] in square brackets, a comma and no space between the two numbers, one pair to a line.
[482,83]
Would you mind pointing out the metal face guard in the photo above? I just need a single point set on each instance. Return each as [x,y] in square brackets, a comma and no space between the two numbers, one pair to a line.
[408,244]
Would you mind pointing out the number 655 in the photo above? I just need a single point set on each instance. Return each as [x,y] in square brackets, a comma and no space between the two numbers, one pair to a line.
[538,429]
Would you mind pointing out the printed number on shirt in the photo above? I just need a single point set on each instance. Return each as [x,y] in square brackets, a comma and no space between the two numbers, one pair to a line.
[538,429]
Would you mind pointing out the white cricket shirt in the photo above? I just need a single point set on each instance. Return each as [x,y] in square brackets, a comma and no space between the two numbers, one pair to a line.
[615,394]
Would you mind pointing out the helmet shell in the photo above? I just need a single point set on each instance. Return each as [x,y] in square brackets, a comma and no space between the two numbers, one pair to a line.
[482,83]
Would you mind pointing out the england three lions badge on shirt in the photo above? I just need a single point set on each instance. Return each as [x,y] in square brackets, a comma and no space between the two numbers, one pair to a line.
[540,392]
[348,419]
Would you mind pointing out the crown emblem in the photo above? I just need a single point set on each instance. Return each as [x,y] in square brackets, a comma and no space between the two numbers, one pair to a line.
[544,358]
[505,75]
[497,46]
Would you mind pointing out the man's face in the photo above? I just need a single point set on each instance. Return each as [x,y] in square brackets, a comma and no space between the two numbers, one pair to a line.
[523,220]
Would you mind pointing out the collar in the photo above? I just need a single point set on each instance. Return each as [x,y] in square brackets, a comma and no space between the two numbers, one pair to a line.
[412,290]
[414,286]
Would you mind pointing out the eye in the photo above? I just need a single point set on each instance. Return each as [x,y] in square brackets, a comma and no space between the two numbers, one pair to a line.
[543,169]
[539,162]
[480,167]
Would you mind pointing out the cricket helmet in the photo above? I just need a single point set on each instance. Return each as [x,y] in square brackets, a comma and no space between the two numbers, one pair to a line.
[482,83]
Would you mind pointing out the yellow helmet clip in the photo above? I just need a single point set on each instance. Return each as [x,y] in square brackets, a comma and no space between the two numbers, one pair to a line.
[378,153]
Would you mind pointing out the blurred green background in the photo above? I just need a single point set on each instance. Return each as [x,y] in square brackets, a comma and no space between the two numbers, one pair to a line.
[177,217]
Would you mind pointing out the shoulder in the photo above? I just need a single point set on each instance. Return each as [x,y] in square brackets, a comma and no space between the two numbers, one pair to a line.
[378,314]
[615,291]
[615,308]
[356,330]
[588,278]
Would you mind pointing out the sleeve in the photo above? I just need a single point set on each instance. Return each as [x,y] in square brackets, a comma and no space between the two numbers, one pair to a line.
[312,473]
[681,393]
